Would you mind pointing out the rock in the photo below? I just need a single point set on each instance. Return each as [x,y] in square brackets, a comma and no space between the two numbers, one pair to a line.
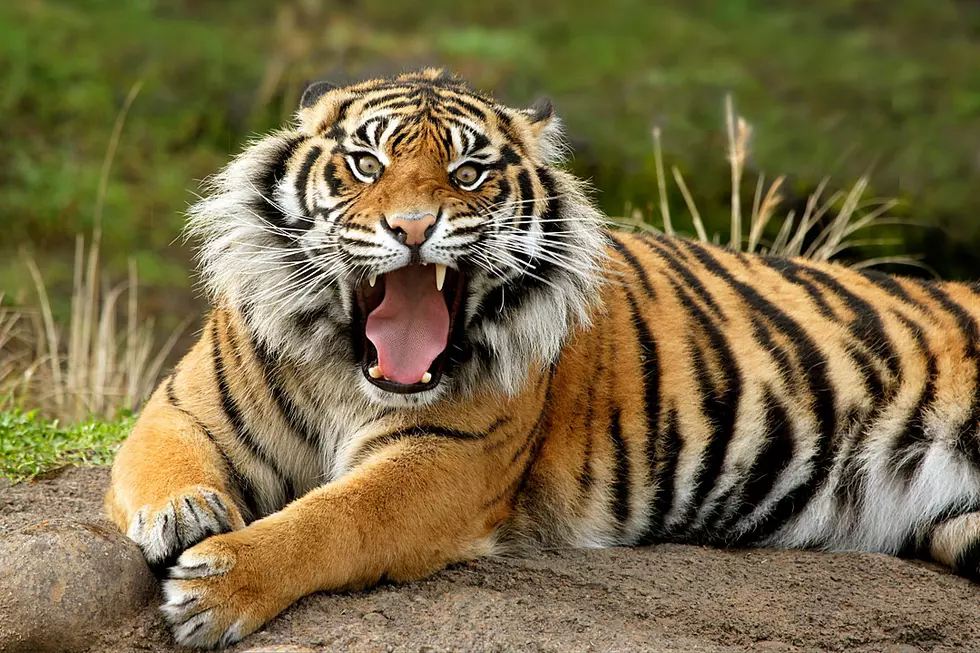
[62,583]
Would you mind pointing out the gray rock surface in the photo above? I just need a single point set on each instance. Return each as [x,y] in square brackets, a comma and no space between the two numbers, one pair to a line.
[64,583]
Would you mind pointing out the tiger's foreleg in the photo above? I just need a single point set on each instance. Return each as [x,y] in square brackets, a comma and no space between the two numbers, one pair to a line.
[170,484]
[402,514]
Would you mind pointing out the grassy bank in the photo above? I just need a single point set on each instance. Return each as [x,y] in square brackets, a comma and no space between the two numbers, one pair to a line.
[31,445]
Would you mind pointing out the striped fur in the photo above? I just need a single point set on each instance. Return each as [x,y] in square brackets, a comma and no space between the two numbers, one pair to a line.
[635,389]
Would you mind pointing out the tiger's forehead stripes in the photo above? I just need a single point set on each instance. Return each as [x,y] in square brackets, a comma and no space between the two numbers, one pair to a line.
[416,101]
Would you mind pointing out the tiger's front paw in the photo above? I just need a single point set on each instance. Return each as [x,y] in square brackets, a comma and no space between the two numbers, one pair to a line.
[180,522]
[219,592]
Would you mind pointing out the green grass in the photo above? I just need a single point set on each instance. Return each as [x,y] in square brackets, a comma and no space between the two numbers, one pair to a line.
[30,446]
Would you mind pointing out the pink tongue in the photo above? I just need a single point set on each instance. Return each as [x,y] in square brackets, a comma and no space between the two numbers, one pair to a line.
[411,326]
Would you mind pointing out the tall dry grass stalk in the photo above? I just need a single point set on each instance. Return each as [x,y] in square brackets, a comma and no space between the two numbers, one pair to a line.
[847,211]
[93,367]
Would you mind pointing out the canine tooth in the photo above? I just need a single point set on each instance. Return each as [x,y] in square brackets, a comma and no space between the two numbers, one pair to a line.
[372,279]
[440,275]
[375,372]
[426,377]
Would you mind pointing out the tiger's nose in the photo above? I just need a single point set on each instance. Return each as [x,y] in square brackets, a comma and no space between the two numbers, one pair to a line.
[411,231]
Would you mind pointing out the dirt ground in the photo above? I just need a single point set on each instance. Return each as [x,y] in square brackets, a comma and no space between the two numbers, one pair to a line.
[662,598]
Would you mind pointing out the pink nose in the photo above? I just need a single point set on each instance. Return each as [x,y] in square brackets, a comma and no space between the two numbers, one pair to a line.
[411,231]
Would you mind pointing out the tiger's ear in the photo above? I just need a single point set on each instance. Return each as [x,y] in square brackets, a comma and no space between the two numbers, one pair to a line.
[314,92]
[546,130]
[318,107]
[540,114]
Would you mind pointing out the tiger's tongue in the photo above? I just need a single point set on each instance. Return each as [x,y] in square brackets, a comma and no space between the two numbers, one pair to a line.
[410,327]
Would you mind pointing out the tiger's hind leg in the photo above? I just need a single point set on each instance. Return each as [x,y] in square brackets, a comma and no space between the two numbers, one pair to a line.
[956,544]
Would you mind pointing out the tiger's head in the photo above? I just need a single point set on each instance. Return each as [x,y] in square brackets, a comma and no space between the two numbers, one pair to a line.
[410,231]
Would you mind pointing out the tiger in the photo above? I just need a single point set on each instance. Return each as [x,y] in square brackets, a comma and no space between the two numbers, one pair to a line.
[426,344]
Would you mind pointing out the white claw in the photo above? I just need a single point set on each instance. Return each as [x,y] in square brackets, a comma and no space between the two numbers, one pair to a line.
[375,372]
[440,276]
[373,279]
[426,377]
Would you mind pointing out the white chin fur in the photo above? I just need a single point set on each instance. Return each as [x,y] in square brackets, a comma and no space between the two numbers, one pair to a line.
[387,399]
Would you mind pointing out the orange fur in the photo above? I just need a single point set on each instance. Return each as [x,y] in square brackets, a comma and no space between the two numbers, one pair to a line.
[712,397]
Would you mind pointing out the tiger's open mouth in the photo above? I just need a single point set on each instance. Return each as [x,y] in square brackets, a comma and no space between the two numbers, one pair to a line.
[406,320]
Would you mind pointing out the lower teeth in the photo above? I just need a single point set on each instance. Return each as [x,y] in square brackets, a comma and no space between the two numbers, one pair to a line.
[375,373]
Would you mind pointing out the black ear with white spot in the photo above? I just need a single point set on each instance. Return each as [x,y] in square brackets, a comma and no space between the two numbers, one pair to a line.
[314,92]
[546,129]
[540,113]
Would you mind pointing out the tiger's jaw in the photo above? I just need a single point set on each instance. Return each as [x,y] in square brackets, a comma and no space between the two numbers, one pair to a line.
[405,323]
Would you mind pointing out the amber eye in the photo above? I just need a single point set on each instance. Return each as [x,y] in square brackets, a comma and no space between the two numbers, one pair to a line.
[466,175]
[368,165]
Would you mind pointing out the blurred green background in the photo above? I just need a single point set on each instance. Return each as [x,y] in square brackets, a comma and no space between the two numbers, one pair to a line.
[834,88]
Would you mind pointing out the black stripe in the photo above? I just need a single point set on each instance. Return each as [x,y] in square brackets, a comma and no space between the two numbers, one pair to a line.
[773,457]
[526,190]
[302,181]
[532,443]
[670,242]
[719,407]
[266,182]
[791,271]
[475,111]
[891,286]
[866,326]
[966,438]
[503,193]
[480,141]
[535,430]
[658,245]
[335,184]
[586,477]
[621,471]
[664,478]
[650,374]
[908,450]
[414,431]
[763,337]
[813,364]
[638,270]
[356,226]
[400,135]
[509,157]
[240,484]
[236,352]
[290,411]
[234,417]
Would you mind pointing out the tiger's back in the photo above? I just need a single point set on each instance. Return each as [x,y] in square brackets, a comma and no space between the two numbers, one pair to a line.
[735,399]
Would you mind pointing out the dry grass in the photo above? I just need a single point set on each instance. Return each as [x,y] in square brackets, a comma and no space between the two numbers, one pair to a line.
[843,213]
[93,367]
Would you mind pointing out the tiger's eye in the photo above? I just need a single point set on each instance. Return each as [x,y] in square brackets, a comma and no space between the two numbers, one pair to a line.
[368,164]
[466,175]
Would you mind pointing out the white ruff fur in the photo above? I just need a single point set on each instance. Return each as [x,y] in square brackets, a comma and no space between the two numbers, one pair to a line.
[245,265]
